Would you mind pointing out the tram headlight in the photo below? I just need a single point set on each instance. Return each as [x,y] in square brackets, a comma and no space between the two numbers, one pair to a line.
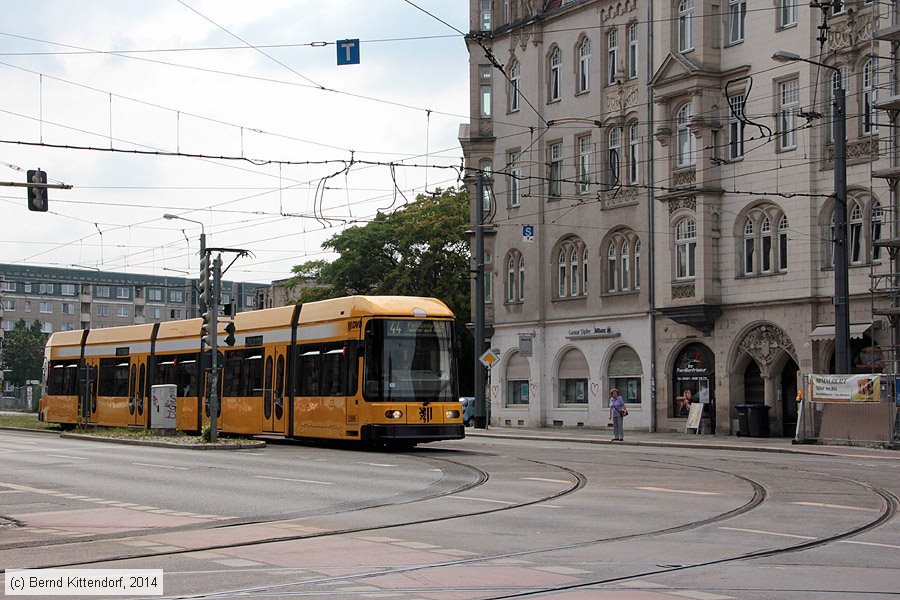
[452,414]
[394,414]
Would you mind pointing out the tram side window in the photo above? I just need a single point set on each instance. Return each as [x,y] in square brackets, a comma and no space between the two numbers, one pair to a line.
[185,374]
[165,370]
[113,377]
[232,373]
[309,370]
[334,370]
[243,373]
[62,378]
[253,372]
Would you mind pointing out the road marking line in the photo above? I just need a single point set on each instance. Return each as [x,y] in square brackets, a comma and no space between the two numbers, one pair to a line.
[547,480]
[562,570]
[698,595]
[694,492]
[67,456]
[839,506]
[12,491]
[377,464]
[869,544]
[161,466]
[799,537]
[483,500]
[297,480]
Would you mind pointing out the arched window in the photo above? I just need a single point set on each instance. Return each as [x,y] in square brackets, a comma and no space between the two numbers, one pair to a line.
[573,377]
[637,264]
[685,249]
[515,86]
[575,270]
[838,80]
[749,248]
[611,267]
[515,277]
[856,229]
[632,51]
[783,244]
[486,169]
[766,240]
[584,271]
[555,74]
[685,25]
[686,144]
[869,84]
[511,293]
[571,270]
[615,149]
[612,55]
[518,374]
[877,219]
[584,66]
[522,279]
[624,265]
[634,153]
[624,373]
[562,274]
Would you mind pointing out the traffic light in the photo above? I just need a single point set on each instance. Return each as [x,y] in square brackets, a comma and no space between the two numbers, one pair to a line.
[229,337]
[206,304]
[37,196]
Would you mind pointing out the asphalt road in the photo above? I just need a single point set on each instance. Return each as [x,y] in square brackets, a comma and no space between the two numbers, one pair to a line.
[478,518]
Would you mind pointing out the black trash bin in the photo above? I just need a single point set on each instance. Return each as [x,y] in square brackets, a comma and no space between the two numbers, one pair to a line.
[743,419]
[757,420]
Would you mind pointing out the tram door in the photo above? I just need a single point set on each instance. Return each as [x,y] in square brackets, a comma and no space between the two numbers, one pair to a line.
[137,392]
[274,392]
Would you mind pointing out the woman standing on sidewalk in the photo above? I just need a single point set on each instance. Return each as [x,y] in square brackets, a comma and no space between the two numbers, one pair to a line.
[616,413]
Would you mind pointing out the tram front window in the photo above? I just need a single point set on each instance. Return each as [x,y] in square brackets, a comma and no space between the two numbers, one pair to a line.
[409,360]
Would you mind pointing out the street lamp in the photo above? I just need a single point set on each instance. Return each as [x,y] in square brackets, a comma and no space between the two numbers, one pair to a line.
[169,216]
[209,314]
[841,272]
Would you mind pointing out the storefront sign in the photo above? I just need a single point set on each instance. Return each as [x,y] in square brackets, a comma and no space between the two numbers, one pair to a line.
[586,333]
[845,388]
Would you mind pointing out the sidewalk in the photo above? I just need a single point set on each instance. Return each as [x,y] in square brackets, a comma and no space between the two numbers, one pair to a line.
[680,440]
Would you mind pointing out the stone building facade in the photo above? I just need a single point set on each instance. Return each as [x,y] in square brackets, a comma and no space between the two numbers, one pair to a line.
[660,207]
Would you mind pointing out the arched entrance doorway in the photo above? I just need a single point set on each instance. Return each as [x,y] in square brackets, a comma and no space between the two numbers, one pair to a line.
[789,398]
[694,381]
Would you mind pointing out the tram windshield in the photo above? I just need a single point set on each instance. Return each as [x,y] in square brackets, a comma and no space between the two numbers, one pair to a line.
[409,360]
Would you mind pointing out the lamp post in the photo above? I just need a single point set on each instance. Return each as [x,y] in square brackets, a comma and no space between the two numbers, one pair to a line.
[169,216]
[209,314]
[841,273]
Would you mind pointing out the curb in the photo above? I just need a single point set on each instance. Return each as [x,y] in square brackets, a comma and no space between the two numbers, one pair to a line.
[805,450]
[163,444]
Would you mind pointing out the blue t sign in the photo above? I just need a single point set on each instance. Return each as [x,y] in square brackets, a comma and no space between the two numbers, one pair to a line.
[347,52]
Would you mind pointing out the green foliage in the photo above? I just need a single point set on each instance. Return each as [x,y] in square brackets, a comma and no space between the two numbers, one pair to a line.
[23,352]
[420,249]
[206,434]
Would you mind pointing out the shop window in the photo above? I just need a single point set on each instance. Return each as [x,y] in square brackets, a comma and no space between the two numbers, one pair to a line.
[624,373]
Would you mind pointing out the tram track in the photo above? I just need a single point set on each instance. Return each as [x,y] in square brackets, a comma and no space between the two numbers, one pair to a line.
[481,478]
[758,497]
[889,510]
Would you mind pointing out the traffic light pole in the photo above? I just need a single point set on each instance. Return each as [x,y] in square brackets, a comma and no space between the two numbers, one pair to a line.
[214,350]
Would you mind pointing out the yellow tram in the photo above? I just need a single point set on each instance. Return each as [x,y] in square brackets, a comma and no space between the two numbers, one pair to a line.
[378,369]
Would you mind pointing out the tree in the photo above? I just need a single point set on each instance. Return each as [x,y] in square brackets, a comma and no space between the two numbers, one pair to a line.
[23,352]
[420,249]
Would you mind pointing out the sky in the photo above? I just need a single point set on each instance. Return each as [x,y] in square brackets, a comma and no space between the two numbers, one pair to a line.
[84,84]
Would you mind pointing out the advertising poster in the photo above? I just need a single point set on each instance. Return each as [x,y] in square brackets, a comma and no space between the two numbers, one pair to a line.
[845,388]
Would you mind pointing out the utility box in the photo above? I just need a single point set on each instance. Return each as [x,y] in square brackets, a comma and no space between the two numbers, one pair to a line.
[163,406]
